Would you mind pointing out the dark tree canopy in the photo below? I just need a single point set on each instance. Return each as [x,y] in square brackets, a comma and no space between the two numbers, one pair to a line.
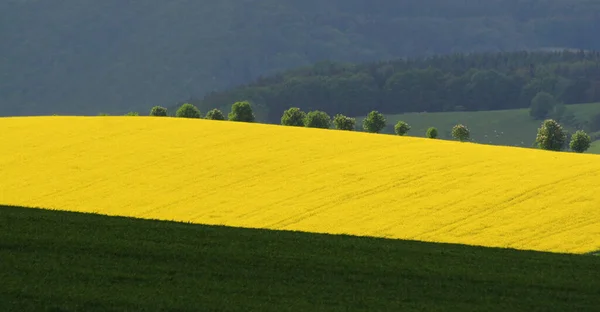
[158,111]
[401,128]
[461,133]
[215,114]
[432,133]
[317,119]
[293,117]
[342,122]
[443,83]
[241,111]
[188,110]
[551,136]
[375,122]
[541,105]
[580,141]
[117,56]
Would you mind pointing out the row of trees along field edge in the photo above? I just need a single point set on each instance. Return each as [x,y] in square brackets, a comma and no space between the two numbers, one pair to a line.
[551,135]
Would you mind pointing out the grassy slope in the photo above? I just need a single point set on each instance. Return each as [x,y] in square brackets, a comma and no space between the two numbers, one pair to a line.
[595,148]
[57,261]
[326,181]
[507,127]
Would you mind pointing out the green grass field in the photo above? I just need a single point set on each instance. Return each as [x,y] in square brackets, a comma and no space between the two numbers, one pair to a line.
[595,148]
[506,127]
[59,261]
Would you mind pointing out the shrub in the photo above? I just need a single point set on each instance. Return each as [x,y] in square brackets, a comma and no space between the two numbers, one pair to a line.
[374,123]
[158,111]
[132,114]
[432,133]
[461,132]
[541,105]
[342,122]
[241,111]
[293,117]
[317,119]
[580,141]
[188,110]
[401,128]
[551,136]
[215,114]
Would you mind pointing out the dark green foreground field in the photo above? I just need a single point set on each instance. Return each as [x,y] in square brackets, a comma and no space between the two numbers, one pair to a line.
[59,261]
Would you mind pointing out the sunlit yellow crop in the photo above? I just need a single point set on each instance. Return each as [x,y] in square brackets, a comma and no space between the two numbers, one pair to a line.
[267,176]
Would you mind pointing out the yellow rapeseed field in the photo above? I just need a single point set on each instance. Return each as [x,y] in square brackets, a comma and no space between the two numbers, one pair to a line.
[328,181]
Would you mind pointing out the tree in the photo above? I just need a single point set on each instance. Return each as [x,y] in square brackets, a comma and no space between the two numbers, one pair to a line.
[241,111]
[461,132]
[541,105]
[432,133]
[317,119]
[374,123]
[215,114]
[293,117]
[580,141]
[132,114]
[158,111]
[551,136]
[342,122]
[401,128]
[188,110]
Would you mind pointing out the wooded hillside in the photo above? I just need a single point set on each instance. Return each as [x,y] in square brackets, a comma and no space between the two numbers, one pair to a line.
[458,82]
[84,56]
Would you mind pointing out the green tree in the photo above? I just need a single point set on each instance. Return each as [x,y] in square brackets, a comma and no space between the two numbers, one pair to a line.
[158,111]
[342,122]
[317,119]
[461,132]
[580,141]
[293,117]
[541,105]
[551,136]
[215,114]
[374,123]
[188,110]
[432,133]
[241,111]
[132,114]
[401,128]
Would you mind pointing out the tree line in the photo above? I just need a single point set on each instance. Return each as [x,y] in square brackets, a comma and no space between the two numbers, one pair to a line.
[550,136]
[457,82]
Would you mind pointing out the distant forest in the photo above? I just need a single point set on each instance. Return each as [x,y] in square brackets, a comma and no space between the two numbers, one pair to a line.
[86,56]
[457,82]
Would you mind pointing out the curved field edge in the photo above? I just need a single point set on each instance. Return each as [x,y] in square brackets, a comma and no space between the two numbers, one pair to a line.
[322,181]
[66,261]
